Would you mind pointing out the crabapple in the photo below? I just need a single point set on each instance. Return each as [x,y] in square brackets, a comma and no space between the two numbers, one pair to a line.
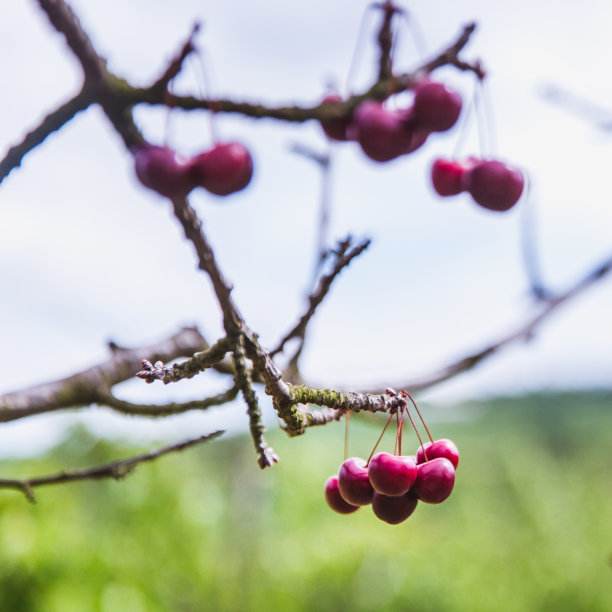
[353,482]
[436,107]
[391,475]
[160,169]
[224,169]
[335,129]
[435,480]
[440,448]
[333,498]
[494,185]
[447,176]
[394,510]
[383,134]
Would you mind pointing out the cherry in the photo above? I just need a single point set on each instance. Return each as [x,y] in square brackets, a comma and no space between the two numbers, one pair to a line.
[440,448]
[383,134]
[160,169]
[447,177]
[436,107]
[336,129]
[224,169]
[353,482]
[494,185]
[334,499]
[391,475]
[435,480]
[394,510]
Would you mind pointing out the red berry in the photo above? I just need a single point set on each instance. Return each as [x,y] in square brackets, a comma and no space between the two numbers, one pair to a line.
[435,480]
[160,169]
[394,510]
[436,107]
[224,169]
[336,129]
[334,499]
[447,177]
[440,448]
[383,134]
[495,185]
[390,474]
[353,482]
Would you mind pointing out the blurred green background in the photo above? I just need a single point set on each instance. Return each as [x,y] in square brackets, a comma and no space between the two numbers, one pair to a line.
[528,527]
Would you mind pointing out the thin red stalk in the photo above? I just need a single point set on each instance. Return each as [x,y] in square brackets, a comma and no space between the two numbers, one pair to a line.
[406,394]
[382,433]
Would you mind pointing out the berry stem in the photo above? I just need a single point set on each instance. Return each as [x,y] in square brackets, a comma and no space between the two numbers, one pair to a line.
[382,433]
[406,394]
[347,415]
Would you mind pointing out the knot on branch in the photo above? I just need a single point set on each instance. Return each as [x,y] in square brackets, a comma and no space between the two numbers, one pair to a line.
[152,371]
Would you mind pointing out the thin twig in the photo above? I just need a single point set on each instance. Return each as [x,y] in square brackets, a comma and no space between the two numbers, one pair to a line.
[51,123]
[116,469]
[163,410]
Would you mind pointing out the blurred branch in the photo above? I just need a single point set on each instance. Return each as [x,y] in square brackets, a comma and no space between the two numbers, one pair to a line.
[176,64]
[524,332]
[84,387]
[51,123]
[344,254]
[385,39]
[580,106]
[116,469]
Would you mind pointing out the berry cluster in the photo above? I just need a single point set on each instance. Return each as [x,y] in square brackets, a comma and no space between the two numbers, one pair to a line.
[224,169]
[394,483]
[384,133]
[493,184]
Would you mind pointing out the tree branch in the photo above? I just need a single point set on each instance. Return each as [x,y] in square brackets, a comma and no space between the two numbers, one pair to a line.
[163,410]
[51,123]
[83,388]
[116,469]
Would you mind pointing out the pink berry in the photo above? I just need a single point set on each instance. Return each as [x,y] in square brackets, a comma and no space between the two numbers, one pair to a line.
[394,510]
[440,448]
[495,185]
[336,129]
[436,107]
[334,499]
[353,482]
[383,134]
[224,169]
[435,480]
[391,475]
[160,169]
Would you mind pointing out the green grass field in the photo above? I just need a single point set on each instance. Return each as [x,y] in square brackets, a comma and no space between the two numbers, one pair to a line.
[528,527]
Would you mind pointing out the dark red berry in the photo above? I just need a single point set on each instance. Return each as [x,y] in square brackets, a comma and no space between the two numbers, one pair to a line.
[440,448]
[436,107]
[495,185]
[224,169]
[394,510]
[160,169]
[447,177]
[391,475]
[334,499]
[383,134]
[435,480]
[353,482]
[336,129]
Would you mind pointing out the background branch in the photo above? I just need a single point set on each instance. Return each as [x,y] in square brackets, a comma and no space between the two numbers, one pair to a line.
[116,469]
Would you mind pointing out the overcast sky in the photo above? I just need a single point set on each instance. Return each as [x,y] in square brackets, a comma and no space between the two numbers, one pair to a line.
[87,254]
